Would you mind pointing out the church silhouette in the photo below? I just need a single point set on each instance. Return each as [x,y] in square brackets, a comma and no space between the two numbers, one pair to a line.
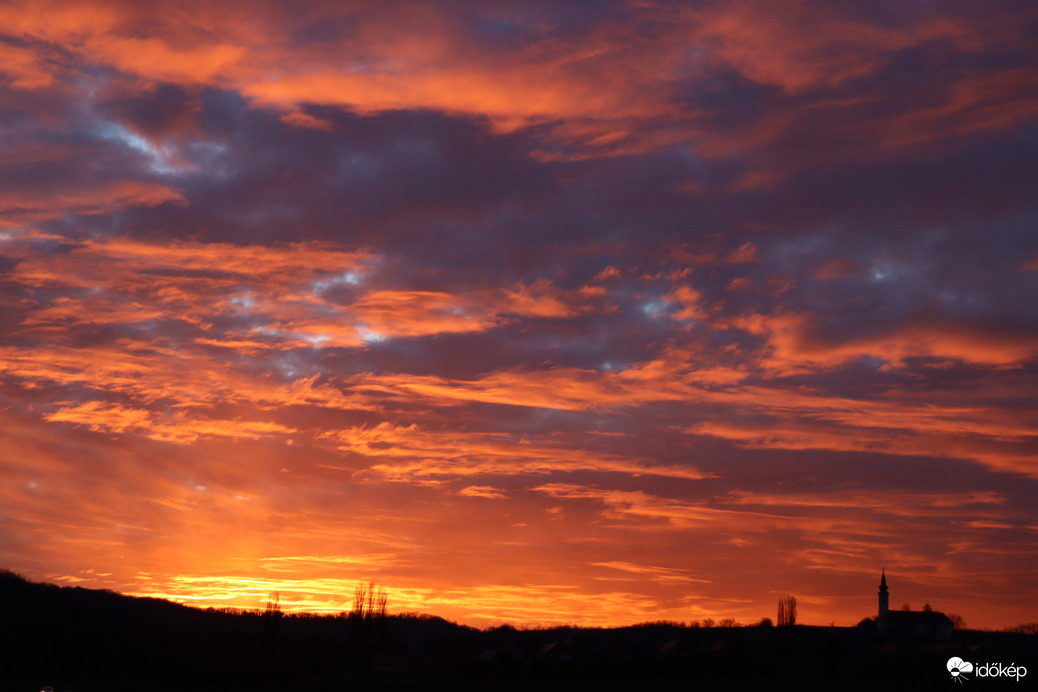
[929,625]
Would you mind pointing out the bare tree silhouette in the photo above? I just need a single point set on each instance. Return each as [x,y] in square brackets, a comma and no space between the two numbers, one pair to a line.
[369,615]
[787,611]
[369,602]
[273,604]
[271,626]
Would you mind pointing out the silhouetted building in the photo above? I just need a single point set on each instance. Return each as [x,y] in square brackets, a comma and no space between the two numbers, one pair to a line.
[927,625]
[884,601]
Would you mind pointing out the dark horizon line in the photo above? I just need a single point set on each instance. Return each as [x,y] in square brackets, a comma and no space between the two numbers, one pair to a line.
[345,614]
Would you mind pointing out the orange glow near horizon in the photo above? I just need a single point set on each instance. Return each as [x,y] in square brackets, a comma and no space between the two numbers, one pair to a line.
[527,314]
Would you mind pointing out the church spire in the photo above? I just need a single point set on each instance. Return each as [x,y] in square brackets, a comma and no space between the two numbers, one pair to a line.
[884,604]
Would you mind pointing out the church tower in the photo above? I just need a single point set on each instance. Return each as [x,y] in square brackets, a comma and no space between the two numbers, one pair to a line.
[884,604]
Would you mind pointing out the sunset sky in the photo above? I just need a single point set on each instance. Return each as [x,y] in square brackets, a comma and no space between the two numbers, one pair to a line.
[530,312]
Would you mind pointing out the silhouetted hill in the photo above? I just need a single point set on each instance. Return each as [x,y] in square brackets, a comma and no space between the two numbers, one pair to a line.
[81,639]
[76,637]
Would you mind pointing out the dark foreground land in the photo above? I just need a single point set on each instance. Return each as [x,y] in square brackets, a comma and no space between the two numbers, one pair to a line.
[96,641]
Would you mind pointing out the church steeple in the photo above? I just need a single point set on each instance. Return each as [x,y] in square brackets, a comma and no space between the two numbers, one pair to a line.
[884,602]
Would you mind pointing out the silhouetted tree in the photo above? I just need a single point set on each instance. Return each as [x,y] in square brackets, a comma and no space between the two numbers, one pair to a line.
[905,607]
[787,611]
[369,602]
[957,621]
[765,622]
[369,614]
[271,623]
[273,605]
[927,608]
[1023,628]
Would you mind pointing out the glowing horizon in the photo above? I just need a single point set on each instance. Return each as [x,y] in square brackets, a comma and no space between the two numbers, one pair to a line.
[527,313]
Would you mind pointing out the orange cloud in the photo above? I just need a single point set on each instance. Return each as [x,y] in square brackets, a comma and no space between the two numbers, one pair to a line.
[595,85]
[486,491]
[178,427]
[671,377]
[640,507]
[661,574]
[98,416]
[985,103]
[781,46]
[797,345]
[22,68]
[278,291]
[690,301]
[31,206]
[301,119]
[898,503]
[428,454]
[147,374]
[154,58]
[537,300]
